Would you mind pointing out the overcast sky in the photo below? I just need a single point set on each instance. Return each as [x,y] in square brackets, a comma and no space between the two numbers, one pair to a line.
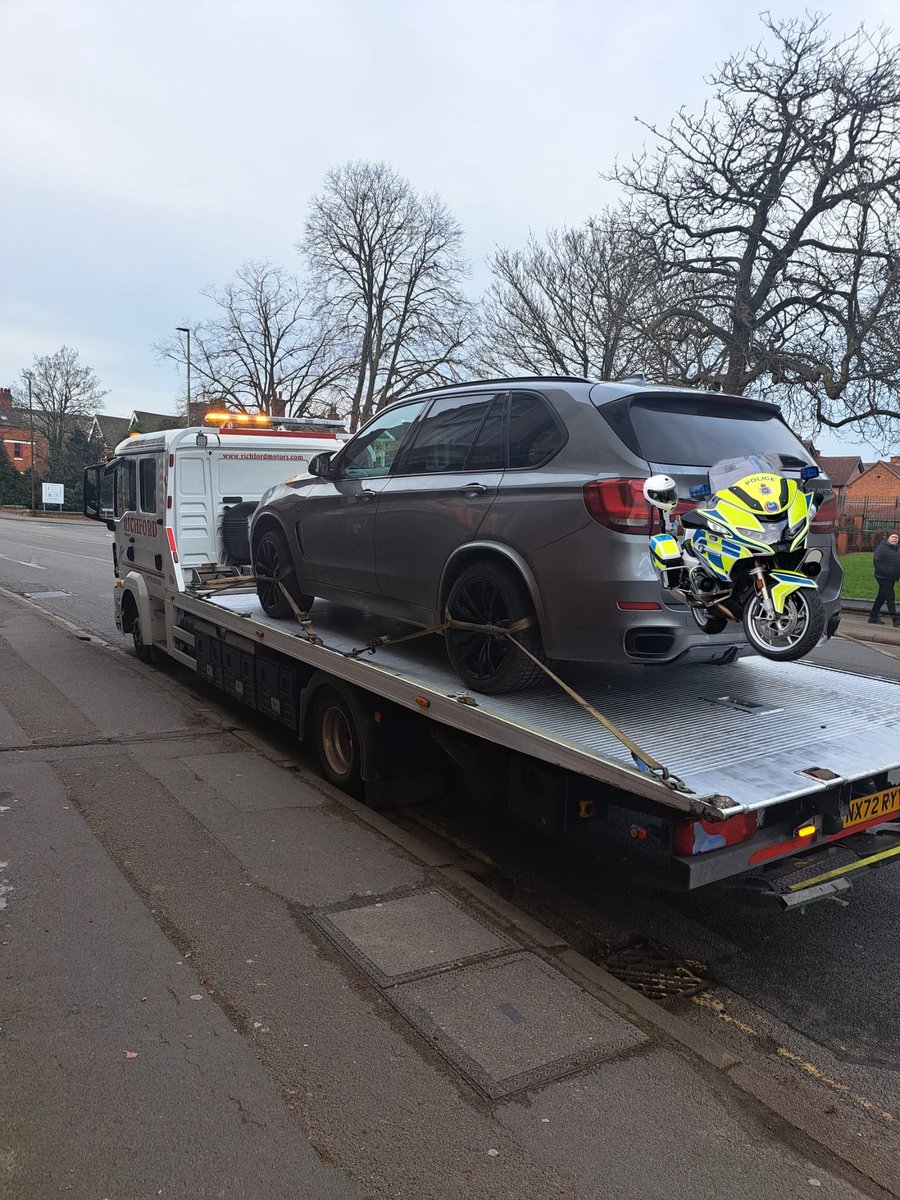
[149,149]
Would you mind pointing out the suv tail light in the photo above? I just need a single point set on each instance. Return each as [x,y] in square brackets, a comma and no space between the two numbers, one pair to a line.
[696,836]
[825,519]
[618,504]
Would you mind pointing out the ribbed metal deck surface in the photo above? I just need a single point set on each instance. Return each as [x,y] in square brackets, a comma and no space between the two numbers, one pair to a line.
[748,730]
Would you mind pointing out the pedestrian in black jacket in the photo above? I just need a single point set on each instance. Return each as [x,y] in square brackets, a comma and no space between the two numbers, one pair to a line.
[886,561]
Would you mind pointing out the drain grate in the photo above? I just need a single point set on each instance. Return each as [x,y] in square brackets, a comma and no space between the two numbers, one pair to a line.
[655,971]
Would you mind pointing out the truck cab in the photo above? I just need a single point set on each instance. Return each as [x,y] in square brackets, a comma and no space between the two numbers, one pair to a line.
[179,504]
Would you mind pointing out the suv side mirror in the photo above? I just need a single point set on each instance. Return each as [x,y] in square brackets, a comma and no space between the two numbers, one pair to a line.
[320,464]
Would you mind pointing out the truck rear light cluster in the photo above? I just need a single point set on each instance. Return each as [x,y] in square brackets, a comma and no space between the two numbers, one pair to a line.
[696,836]
[618,504]
[825,520]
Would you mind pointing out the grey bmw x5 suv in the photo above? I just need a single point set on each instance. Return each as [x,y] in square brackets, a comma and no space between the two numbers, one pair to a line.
[517,502]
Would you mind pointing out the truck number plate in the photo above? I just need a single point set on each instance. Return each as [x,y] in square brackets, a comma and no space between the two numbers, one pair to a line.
[878,804]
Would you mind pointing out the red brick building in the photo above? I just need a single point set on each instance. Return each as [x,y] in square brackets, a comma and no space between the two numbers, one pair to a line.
[15,434]
[870,507]
[840,469]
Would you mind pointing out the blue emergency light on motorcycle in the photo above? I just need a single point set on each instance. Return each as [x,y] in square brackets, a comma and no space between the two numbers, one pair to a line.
[809,472]
[700,491]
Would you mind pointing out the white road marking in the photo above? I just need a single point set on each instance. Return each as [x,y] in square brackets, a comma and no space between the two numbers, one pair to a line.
[36,566]
[49,550]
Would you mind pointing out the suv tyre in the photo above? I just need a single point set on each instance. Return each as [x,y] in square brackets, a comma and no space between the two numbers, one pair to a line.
[491,593]
[272,564]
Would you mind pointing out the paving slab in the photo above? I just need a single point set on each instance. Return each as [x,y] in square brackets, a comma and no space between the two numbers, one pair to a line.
[403,937]
[314,853]
[249,784]
[513,1023]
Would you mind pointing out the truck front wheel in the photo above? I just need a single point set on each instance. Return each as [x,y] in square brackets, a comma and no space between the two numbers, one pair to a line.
[145,652]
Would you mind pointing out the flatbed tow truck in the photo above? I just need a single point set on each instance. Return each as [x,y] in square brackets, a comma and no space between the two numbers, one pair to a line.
[777,781]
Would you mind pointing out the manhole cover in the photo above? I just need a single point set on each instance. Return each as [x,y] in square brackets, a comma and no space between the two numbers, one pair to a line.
[655,971]
[401,937]
[47,595]
[513,1023]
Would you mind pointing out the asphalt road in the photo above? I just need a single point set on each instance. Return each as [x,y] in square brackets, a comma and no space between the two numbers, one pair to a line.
[73,557]
[821,986]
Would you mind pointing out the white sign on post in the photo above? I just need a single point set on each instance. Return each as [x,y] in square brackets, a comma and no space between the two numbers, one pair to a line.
[52,493]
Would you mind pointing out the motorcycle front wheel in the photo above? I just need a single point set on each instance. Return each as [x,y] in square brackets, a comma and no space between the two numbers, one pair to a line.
[787,635]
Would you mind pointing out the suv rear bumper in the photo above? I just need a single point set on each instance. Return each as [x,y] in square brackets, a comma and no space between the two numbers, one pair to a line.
[661,634]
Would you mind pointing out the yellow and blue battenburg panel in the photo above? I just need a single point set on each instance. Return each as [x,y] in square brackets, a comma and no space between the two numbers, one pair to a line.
[719,553]
[664,550]
[665,554]
[783,583]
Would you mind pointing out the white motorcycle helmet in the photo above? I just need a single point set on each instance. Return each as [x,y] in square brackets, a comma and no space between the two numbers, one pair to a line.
[662,492]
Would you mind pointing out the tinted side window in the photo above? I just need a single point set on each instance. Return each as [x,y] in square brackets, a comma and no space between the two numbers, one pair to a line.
[534,431]
[487,449]
[371,453]
[446,435]
[126,500]
[148,485]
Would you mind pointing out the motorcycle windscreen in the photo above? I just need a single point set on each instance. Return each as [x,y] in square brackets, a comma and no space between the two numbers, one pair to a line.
[729,471]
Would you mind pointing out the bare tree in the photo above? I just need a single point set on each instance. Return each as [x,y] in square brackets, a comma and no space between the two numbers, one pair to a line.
[775,217]
[267,349]
[62,390]
[574,305]
[388,267]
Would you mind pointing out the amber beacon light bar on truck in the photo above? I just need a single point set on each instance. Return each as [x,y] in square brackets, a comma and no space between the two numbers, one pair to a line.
[244,423]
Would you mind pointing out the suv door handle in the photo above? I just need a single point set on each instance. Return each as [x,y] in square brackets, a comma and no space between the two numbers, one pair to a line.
[366,494]
[473,489]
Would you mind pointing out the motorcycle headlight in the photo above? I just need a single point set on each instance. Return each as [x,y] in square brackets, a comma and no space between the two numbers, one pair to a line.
[770,533]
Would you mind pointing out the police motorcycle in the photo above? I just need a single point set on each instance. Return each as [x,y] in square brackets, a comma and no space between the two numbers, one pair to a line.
[742,555]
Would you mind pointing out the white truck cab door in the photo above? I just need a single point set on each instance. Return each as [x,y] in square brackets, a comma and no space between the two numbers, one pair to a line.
[138,513]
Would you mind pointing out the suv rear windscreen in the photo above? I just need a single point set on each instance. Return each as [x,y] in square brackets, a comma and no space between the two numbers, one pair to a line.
[698,431]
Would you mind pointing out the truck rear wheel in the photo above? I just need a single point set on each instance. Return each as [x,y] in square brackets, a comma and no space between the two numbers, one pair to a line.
[338,741]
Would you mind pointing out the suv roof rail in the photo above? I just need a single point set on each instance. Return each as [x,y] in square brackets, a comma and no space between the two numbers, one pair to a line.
[443,387]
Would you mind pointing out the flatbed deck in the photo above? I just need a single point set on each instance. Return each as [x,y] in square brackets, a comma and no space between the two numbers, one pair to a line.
[741,736]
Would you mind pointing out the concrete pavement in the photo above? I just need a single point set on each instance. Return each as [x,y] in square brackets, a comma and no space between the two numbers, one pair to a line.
[856,625]
[222,978]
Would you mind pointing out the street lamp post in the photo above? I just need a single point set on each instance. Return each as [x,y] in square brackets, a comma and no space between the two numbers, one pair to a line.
[185,329]
[31,433]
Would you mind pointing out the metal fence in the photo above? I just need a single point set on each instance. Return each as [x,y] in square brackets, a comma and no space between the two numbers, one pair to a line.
[862,524]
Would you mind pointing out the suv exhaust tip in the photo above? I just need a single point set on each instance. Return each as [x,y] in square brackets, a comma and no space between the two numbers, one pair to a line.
[649,642]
